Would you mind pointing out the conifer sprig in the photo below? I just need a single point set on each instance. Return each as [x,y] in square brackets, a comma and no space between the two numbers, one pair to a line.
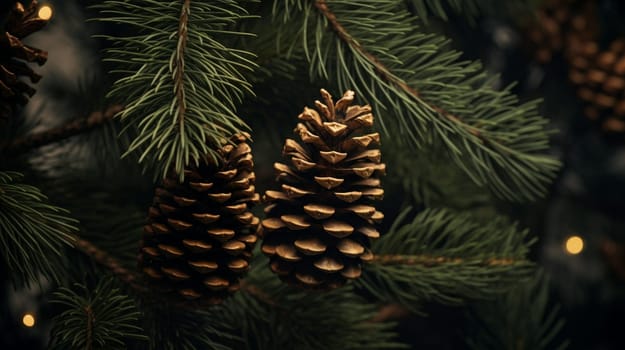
[446,257]
[287,317]
[180,83]
[32,231]
[101,318]
[495,324]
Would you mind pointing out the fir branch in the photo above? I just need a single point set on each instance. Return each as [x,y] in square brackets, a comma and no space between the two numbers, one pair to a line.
[429,179]
[32,231]
[420,91]
[72,128]
[496,324]
[445,257]
[105,260]
[98,318]
[382,70]
[263,305]
[130,278]
[116,203]
[179,81]
[170,327]
[339,319]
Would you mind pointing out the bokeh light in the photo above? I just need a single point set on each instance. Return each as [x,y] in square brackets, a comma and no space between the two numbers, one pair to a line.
[45,12]
[574,245]
[28,320]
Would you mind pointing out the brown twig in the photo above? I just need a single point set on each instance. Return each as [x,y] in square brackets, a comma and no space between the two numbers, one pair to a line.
[259,294]
[427,260]
[390,312]
[130,278]
[382,70]
[72,128]
[105,260]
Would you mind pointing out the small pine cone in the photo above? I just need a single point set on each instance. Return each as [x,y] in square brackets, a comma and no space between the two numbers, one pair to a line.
[558,25]
[599,76]
[319,224]
[200,233]
[13,91]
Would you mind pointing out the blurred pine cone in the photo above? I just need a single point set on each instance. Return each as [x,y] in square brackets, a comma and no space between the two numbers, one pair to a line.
[555,23]
[599,77]
[13,55]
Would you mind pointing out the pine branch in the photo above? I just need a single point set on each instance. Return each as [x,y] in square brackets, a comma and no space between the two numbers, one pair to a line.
[105,260]
[72,128]
[497,324]
[339,319]
[445,257]
[95,318]
[179,81]
[421,93]
[383,71]
[32,231]
[170,327]
[116,203]
[130,278]
[429,179]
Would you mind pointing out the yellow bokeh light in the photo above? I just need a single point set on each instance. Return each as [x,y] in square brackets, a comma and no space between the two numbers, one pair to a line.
[28,320]
[45,12]
[574,245]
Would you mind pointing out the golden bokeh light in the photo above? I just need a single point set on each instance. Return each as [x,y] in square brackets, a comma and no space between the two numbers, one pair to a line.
[28,320]
[574,245]
[45,12]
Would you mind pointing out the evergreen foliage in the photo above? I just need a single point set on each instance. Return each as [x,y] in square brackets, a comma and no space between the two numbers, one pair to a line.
[170,327]
[430,181]
[421,92]
[184,72]
[180,84]
[33,231]
[501,328]
[102,318]
[447,257]
[272,315]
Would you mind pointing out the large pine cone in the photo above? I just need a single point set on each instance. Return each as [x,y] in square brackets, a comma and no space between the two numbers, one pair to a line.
[319,224]
[20,23]
[199,239]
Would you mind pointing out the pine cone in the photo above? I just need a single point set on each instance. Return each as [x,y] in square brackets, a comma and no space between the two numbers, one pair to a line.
[600,80]
[319,224]
[556,22]
[20,23]
[200,235]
